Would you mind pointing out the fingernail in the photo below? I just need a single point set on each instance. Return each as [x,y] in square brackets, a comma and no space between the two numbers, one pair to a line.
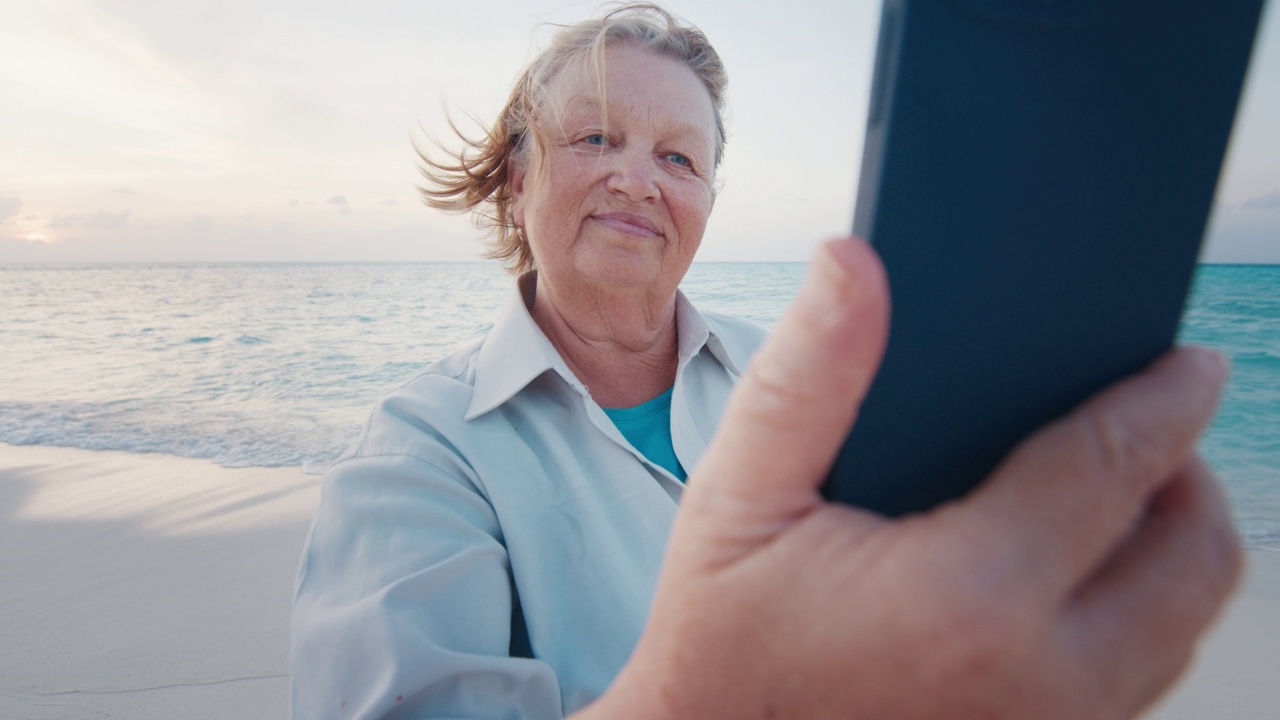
[1210,359]
[846,251]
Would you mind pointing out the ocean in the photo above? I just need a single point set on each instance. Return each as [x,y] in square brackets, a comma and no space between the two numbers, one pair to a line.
[279,364]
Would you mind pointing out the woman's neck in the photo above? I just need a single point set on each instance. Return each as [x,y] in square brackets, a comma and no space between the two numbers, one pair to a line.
[621,345]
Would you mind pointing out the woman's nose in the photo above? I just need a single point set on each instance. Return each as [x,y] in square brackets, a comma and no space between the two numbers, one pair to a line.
[634,176]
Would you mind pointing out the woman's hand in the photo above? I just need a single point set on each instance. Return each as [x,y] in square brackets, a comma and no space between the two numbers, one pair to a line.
[1074,582]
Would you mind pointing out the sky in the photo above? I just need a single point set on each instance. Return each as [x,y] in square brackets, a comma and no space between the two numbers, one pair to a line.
[251,130]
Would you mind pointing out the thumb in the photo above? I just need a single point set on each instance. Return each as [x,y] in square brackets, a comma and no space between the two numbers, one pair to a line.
[799,396]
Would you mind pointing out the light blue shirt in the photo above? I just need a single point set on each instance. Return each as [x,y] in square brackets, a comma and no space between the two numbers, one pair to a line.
[492,473]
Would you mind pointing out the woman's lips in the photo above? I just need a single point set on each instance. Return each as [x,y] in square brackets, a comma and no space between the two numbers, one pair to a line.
[629,223]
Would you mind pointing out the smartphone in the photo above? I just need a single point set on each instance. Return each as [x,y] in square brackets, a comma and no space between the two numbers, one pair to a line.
[1037,177]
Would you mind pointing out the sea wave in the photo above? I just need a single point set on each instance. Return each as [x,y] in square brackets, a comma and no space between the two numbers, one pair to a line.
[229,439]
[278,365]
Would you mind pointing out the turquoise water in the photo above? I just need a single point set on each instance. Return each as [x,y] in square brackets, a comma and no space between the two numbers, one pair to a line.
[278,364]
[1236,308]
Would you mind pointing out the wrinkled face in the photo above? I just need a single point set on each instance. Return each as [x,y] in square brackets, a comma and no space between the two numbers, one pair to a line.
[622,203]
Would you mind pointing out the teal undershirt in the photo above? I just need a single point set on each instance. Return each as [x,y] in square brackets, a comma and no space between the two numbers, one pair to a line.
[647,427]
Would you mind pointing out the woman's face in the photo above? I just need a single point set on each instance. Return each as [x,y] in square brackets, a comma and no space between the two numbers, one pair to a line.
[621,204]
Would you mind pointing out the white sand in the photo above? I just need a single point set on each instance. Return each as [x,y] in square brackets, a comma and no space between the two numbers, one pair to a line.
[141,586]
[145,586]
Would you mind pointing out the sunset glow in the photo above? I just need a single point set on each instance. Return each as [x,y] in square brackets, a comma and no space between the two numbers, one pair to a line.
[160,131]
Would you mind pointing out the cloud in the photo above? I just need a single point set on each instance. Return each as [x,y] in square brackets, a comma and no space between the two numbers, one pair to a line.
[14,249]
[9,207]
[103,220]
[340,201]
[268,241]
[1270,201]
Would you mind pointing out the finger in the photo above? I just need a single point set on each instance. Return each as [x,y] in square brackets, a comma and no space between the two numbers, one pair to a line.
[1075,489]
[1136,622]
[797,399]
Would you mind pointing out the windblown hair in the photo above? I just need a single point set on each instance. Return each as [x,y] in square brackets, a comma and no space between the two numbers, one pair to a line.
[477,177]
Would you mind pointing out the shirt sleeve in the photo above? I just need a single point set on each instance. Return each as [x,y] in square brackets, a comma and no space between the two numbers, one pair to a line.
[403,606]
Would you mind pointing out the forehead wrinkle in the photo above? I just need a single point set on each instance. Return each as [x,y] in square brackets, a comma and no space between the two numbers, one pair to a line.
[577,89]
[649,114]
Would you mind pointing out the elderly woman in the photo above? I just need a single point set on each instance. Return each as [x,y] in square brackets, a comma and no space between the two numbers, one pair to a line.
[538,472]
[492,545]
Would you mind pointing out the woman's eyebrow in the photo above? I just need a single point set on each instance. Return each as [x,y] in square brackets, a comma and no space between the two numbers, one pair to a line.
[586,108]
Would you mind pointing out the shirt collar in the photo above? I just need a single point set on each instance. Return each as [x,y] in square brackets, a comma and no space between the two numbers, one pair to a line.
[693,332]
[513,354]
[515,351]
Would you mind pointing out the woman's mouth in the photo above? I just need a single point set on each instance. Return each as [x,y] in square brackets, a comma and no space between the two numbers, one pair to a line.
[628,223]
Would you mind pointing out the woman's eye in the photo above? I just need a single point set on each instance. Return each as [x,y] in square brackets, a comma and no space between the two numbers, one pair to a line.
[596,139]
[679,159]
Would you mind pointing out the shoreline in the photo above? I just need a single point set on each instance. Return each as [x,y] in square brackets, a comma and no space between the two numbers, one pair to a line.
[154,586]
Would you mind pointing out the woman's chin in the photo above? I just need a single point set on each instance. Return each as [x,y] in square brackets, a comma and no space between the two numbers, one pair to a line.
[626,271]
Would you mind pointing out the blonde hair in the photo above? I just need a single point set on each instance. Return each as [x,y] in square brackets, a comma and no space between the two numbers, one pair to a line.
[477,177]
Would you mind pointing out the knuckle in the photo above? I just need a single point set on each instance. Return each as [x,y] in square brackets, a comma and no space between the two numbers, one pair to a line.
[774,394]
[1120,448]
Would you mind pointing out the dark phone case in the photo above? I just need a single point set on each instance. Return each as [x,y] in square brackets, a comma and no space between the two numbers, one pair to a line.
[1037,176]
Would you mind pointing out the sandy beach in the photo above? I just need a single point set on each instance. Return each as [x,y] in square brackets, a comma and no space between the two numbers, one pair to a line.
[145,586]
[150,586]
